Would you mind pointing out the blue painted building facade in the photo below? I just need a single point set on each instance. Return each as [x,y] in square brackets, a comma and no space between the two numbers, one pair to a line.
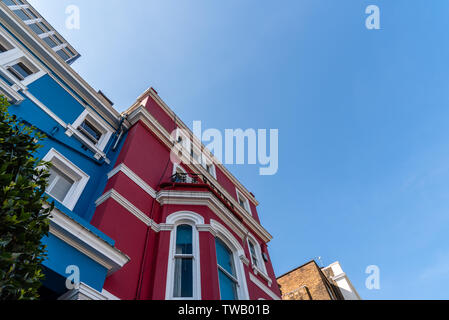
[85,134]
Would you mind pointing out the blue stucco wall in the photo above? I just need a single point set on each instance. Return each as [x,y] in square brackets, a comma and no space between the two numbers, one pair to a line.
[60,102]
[61,255]
[67,108]
[51,94]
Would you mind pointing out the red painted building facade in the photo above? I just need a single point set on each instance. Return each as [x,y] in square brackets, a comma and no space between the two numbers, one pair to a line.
[191,230]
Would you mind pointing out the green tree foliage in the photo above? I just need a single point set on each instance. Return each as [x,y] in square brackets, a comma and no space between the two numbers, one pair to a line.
[24,211]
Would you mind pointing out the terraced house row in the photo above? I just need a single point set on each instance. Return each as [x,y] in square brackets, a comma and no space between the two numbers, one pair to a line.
[135,224]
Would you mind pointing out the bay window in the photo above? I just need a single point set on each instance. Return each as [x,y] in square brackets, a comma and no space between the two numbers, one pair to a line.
[183,277]
[226,272]
[183,272]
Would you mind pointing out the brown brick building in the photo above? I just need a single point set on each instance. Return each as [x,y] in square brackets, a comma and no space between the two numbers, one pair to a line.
[310,282]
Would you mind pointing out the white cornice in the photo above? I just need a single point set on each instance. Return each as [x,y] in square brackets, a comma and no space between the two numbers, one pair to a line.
[134,177]
[184,198]
[181,197]
[207,199]
[210,200]
[82,239]
[84,292]
[126,204]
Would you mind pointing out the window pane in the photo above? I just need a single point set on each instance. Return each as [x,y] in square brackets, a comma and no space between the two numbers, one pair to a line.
[63,184]
[31,13]
[22,70]
[3,48]
[253,253]
[36,28]
[63,55]
[90,132]
[184,240]
[183,278]
[9,2]
[21,15]
[47,29]
[59,41]
[228,289]
[50,42]
[224,257]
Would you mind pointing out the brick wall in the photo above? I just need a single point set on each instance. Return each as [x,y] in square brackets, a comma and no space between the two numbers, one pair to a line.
[305,283]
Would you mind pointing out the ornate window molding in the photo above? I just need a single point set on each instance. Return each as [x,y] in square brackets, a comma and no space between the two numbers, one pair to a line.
[173,222]
[238,255]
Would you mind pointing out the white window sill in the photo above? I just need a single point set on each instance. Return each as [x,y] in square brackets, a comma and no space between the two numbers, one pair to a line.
[98,153]
[258,271]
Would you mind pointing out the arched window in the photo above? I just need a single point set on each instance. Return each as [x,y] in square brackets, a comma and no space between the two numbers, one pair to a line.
[183,277]
[226,272]
[257,260]
[183,272]
[253,253]
[230,257]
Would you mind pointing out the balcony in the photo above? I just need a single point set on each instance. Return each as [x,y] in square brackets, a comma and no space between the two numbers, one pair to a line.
[201,179]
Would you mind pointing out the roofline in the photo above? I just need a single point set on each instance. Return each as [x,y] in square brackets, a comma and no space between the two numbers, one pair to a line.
[141,115]
[77,54]
[301,266]
[151,92]
[57,65]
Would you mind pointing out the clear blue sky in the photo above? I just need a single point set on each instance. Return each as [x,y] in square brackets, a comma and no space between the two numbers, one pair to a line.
[363,116]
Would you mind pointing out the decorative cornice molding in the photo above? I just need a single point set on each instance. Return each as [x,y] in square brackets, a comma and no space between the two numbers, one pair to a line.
[125,204]
[84,292]
[207,199]
[206,228]
[178,197]
[134,177]
[82,239]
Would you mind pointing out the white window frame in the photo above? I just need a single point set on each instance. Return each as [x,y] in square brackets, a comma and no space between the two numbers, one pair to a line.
[173,221]
[188,146]
[176,166]
[13,56]
[99,124]
[206,162]
[247,206]
[46,33]
[195,155]
[189,179]
[76,174]
[186,142]
[260,267]
[6,43]
[238,254]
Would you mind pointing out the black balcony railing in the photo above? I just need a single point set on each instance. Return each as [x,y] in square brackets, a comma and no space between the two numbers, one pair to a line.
[194,178]
[186,178]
